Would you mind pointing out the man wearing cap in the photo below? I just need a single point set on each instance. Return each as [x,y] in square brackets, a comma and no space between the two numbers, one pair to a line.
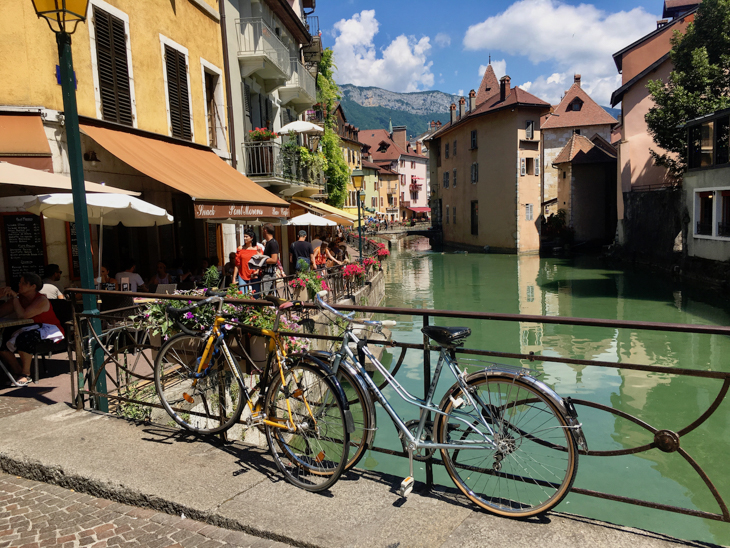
[51,288]
[301,249]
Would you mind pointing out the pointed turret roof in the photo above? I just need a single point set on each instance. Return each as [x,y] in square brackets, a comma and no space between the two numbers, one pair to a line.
[489,86]
[590,113]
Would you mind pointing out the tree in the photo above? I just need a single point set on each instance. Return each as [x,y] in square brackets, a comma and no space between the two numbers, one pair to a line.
[328,93]
[699,83]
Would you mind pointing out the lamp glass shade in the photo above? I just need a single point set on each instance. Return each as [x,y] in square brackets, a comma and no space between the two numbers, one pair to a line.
[357,179]
[61,13]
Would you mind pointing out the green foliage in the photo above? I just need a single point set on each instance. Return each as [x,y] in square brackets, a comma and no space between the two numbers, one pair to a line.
[328,93]
[698,85]
[211,277]
[133,410]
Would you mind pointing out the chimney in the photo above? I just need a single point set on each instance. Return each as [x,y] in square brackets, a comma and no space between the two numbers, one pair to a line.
[472,100]
[576,79]
[419,150]
[504,87]
[433,124]
[453,113]
[438,123]
[462,107]
[399,136]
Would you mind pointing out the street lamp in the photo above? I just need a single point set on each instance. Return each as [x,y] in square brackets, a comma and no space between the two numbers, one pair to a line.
[63,16]
[358,180]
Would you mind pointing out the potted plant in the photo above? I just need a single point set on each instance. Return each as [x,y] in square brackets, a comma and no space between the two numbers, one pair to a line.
[261,134]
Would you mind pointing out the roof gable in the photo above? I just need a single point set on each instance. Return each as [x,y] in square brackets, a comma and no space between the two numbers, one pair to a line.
[590,113]
[581,150]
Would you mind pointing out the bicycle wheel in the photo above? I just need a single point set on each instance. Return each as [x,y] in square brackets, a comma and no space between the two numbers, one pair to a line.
[206,405]
[312,451]
[536,458]
[361,407]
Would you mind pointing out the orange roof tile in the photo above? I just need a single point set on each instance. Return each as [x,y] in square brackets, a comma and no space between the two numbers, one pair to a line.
[489,85]
[582,150]
[375,137]
[590,114]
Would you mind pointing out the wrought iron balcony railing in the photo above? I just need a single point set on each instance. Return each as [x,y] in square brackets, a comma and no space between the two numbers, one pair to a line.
[255,38]
[704,229]
[267,160]
[723,229]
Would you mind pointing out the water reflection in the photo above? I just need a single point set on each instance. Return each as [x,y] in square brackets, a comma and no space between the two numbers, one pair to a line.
[420,278]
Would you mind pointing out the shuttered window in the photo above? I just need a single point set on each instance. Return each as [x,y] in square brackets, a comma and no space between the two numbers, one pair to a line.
[177,91]
[111,60]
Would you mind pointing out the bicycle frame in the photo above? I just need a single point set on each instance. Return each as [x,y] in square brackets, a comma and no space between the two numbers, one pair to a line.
[426,406]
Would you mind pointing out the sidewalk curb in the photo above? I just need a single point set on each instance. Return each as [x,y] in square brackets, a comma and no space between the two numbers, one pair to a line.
[55,475]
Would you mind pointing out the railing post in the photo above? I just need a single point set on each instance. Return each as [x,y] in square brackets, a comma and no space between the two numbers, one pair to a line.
[426,386]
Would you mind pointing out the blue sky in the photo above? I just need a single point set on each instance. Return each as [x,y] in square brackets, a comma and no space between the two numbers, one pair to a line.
[444,45]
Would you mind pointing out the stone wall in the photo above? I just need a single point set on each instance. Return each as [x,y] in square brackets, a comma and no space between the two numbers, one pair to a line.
[652,222]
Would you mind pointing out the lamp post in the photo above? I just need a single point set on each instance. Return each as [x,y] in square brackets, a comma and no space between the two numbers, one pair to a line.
[358,179]
[63,16]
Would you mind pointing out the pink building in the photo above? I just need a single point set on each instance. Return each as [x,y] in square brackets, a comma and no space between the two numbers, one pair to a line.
[394,152]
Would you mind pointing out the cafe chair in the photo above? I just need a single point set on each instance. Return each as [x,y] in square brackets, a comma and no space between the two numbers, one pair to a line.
[64,312]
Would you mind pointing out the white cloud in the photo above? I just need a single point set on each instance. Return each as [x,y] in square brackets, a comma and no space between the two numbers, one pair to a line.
[442,39]
[460,93]
[401,66]
[574,39]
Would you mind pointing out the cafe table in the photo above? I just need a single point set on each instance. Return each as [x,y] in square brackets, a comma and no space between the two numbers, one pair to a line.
[10,322]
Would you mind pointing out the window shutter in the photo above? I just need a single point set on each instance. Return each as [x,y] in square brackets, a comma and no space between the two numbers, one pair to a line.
[454,147]
[447,214]
[111,60]
[537,166]
[473,138]
[177,90]
[454,177]
[530,129]
[247,103]
[453,217]
[523,168]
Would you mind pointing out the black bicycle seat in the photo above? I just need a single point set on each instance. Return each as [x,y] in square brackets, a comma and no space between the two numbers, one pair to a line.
[446,336]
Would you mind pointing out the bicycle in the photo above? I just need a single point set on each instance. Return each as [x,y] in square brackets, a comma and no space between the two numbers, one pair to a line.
[300,405]
[507,440]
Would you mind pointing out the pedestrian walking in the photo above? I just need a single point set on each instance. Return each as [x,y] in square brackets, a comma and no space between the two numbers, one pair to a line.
[271,251]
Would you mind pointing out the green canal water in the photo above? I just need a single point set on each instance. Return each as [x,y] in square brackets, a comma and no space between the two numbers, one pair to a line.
[418,277]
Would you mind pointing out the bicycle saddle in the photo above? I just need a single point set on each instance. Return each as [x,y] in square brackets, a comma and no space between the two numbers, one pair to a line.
[446,336]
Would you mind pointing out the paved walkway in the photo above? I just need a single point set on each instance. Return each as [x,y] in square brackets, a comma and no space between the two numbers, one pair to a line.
[237,487]
[34,514]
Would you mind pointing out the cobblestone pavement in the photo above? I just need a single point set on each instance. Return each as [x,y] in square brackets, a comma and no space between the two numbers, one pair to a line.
[35,515]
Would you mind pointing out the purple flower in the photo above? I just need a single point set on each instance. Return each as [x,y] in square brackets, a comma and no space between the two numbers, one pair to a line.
[189,316]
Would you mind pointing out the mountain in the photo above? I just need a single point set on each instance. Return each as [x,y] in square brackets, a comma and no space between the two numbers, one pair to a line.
[373,108]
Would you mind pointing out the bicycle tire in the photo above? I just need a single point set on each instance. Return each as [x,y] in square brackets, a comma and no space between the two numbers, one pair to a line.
[362,408]
[196,405]
[310,458]
[533,439]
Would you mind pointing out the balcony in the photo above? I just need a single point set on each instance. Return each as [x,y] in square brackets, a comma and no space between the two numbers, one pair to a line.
[723,230]
[260,51]
[316,117]
[415,187]
[301,89]
[270,166]
[405,204]
[392,188]
[313,51]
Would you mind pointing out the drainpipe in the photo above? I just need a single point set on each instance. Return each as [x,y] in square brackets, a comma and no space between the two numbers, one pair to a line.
[229,108]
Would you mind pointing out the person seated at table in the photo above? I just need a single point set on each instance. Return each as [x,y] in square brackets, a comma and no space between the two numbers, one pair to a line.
[161,277]
[51,288]
[27,303]
[323,257]
[340,253]
[107,282]
[133,280]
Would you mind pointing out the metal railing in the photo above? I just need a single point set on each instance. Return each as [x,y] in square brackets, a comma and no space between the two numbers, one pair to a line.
[704,229]
[301,78]
[312,24]
[124,347]
[723,229]
[268,159]
[315,116]
[255,37]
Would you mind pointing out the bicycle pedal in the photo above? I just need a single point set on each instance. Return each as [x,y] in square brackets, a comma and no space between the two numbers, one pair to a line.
[406,486]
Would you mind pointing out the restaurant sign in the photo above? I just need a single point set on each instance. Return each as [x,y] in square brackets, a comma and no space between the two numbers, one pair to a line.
[238,211]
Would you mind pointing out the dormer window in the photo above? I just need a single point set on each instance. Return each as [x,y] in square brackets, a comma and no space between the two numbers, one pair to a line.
[576,104]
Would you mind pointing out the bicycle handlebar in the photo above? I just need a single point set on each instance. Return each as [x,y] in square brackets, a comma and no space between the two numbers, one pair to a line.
[349,318]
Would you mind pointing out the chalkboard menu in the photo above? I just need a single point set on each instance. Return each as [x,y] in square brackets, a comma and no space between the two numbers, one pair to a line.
[212,239]
[73,251]
[23,246]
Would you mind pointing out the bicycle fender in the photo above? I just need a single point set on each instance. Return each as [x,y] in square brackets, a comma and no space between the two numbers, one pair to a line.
[564,406]
[326,356]
[349,421]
